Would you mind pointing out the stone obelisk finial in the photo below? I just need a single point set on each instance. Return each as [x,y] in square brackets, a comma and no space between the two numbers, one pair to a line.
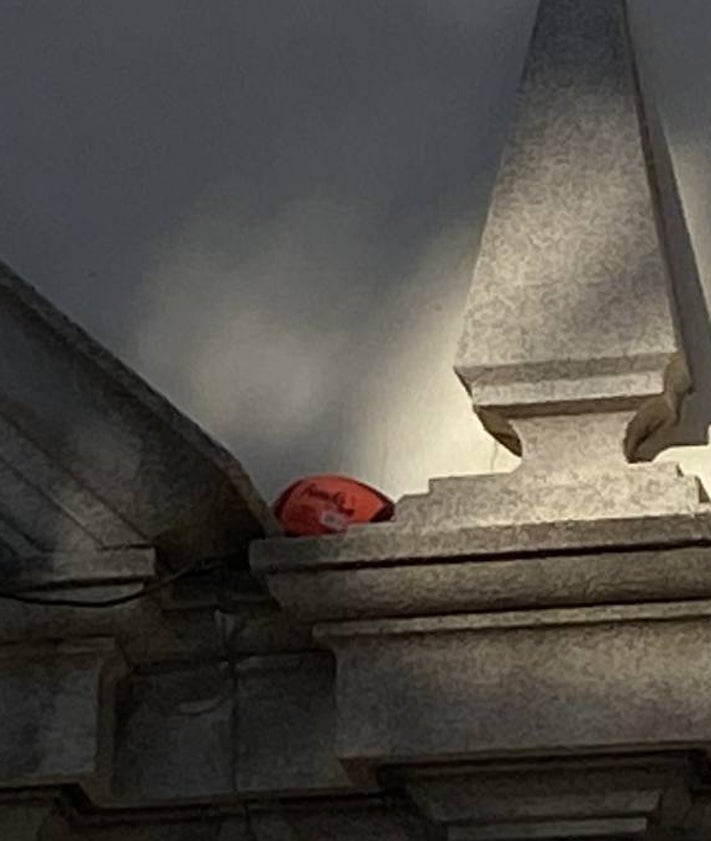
[570,310]
[572,347]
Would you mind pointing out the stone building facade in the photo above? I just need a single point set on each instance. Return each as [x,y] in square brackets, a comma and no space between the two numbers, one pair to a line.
[513,657]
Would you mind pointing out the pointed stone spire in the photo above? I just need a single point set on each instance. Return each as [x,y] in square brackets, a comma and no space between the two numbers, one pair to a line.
[571,310]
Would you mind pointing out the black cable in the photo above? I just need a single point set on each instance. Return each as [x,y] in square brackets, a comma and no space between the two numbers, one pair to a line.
[17,596]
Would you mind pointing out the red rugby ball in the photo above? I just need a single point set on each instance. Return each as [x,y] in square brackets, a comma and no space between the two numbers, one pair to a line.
[328,505]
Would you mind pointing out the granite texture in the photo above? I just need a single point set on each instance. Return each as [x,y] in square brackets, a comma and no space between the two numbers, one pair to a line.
[35,470]
[581,341]
[340,820]
[145,633]
[698,827]
[51,706]
[25,819]
[286,726]
[692,304]
[264,725]
[353,819]
[567,798]
[171,828]
[614,829]
[151,630]
[411,588]
[638,490]
[382,543]
[388,570]
[174,737]
[45,815]
[479,686]
[108,566]
[584,315]
[652,780]
[40,518]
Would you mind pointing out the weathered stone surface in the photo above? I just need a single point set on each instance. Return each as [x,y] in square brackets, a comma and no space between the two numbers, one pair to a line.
[175,736]
[411,588]
[345,821]
[32,512]
[33,470]
[13,543]
[148,630]
[51,706]
[286,725]
[615,829]
[88,568]
[171,828]
[558,480]
[621,797]
[144,632]
[379,543]
[76,410]
[547,496]
[24,819]
[692,300]
[584,316]
[698,824]
[486,685]
[192,734]
[185,824]
[386,570]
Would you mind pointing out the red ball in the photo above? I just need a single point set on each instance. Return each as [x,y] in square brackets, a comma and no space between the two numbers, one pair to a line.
[328,505]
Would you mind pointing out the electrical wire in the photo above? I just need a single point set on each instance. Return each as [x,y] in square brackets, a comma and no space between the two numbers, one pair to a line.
[20,595]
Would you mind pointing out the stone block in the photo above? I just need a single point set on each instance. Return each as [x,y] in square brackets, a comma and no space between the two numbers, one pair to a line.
[380,544]
[620,797]
[191,733]
[530,682]
[286,726]
[388,570]
[444,585]
[53,710]
[145,633]
[169,828]
[585,316]
[58,569]
[23,819]
[175,736]
[344,820]
[544,496]
[615,829]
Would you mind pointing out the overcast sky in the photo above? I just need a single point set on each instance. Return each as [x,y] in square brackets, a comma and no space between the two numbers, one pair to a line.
[268,208]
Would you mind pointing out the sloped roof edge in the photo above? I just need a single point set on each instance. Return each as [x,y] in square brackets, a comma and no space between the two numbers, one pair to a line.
[126,383]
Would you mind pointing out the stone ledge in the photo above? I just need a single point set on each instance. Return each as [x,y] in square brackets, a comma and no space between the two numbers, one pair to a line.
[354,818]
[382,570]
[446,585]
[549,618]
[528,683]
[382,544]
[104,567]
[564,798]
